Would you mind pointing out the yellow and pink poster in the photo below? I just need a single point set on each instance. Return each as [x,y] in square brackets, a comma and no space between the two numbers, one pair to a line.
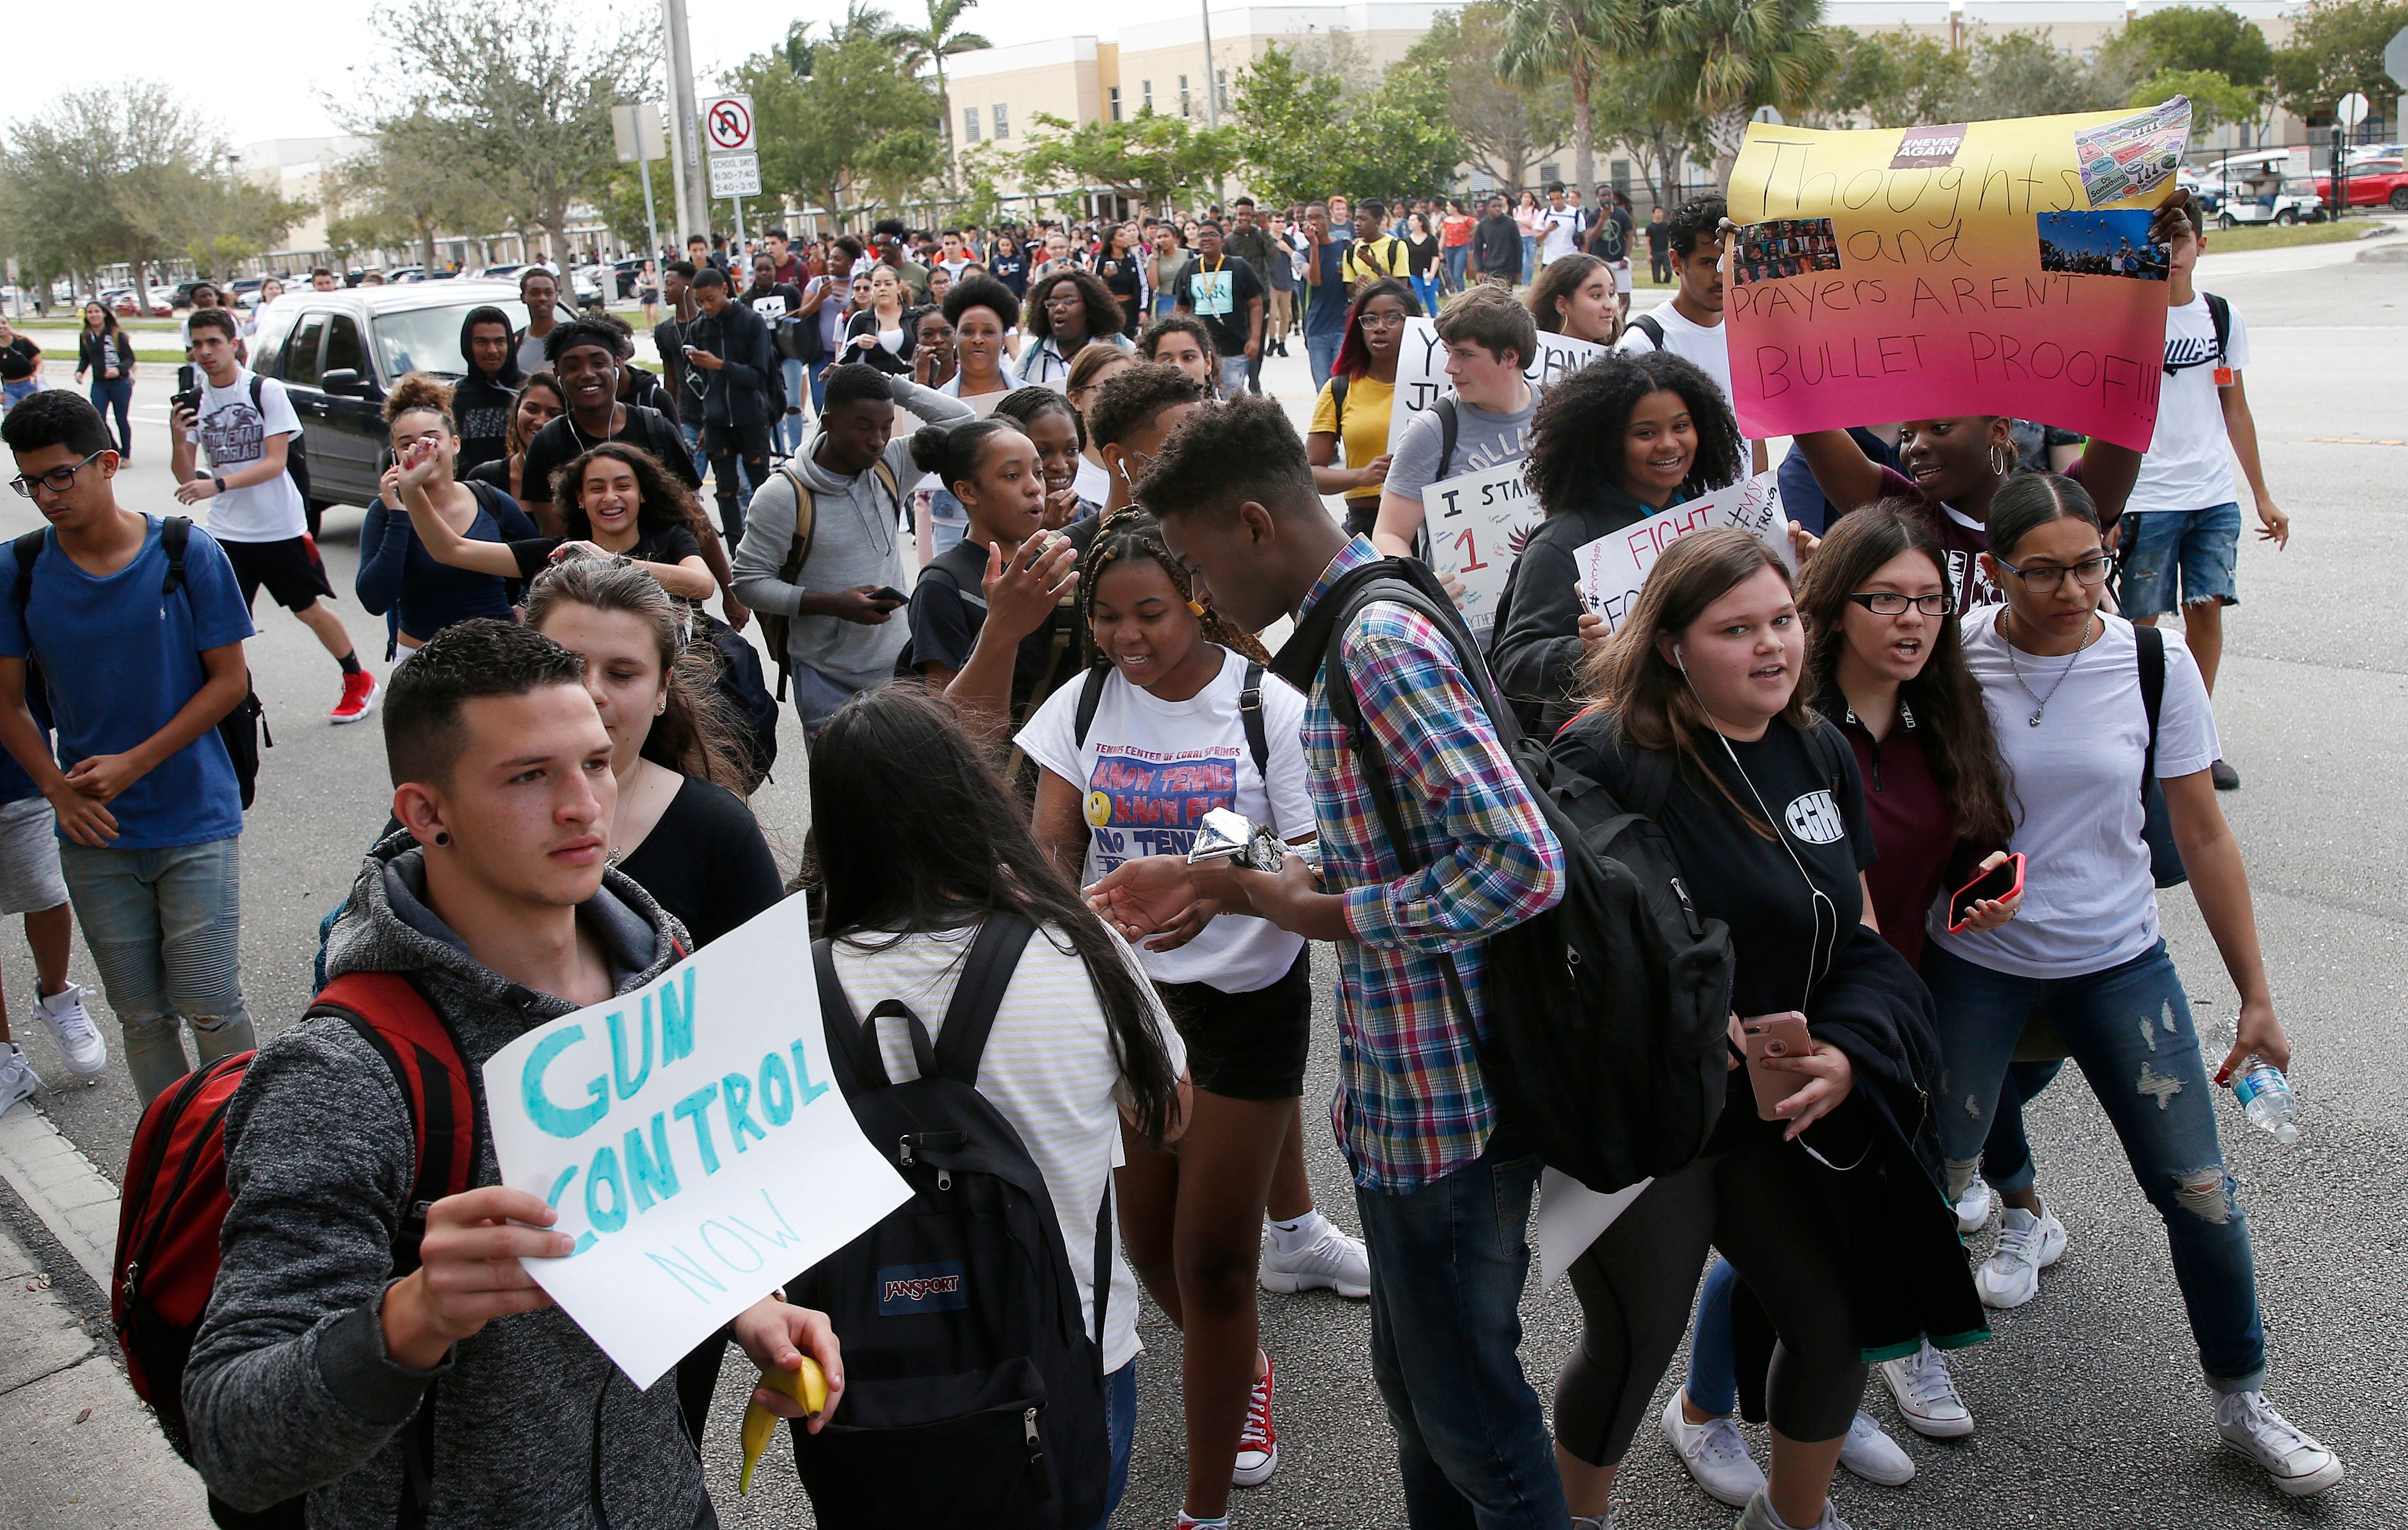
[1971,268]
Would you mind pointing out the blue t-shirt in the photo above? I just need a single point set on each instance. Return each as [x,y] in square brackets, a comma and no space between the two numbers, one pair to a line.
[1325,317]
[121,658]
[15,785]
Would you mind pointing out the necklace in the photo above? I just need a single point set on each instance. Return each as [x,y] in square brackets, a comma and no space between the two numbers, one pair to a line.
[2041,702]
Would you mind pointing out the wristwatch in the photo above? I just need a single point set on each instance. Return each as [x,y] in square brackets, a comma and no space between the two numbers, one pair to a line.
[219,481]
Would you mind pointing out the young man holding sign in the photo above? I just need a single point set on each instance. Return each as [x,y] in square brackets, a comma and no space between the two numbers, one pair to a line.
[457,1391]
[1484,422]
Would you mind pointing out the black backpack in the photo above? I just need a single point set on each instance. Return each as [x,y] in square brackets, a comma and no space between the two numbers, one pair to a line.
[296,457]
[1609,1011]
[974,1394]
[243,730]
[2157,824]
[1250,713]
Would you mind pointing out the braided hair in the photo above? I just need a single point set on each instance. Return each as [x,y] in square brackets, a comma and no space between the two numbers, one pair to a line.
[1134,533]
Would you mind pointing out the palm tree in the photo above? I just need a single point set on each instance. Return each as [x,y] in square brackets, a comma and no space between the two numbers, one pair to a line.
[1743,54]
[933,44]
[1573,39]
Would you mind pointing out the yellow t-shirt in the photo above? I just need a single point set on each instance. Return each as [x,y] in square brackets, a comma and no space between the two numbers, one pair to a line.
[1368,260]
[1366,434]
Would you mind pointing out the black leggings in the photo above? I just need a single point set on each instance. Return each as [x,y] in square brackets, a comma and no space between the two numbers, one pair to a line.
[1758,1204]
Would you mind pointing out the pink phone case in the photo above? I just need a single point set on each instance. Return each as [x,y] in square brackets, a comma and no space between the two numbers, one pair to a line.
[1782,1035]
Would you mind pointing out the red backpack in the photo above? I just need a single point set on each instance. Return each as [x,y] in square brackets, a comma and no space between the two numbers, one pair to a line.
[175,1192]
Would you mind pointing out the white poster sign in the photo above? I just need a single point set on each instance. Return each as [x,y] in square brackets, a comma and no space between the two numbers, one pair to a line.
[1420,369]
[1571,1216]
[691,1136]
[1614,567]
[1477,525]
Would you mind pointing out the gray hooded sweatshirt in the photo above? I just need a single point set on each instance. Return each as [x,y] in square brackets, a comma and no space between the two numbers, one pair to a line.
[855,541]
[289,1389]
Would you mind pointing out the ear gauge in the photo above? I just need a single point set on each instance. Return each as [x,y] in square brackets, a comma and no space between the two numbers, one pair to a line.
[441,838]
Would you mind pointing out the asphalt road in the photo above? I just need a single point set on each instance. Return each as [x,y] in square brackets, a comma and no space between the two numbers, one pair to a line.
[2089,1406]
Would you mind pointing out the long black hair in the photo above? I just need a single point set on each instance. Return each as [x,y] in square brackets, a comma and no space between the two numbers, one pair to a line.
[1576,436]
[951,851]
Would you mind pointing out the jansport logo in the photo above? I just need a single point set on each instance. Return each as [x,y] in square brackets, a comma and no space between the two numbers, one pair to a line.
[909,1289]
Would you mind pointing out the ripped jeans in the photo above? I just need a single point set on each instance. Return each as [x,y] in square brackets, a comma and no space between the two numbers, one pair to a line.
[2129,1029]
[164,927]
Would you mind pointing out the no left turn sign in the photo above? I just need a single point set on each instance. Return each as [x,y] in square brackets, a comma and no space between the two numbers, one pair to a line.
[727,123]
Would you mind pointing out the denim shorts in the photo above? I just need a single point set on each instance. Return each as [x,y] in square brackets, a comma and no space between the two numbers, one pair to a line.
[2199,546]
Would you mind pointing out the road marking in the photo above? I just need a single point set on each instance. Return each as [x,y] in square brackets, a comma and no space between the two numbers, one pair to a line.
[2350,440]
[60,1185]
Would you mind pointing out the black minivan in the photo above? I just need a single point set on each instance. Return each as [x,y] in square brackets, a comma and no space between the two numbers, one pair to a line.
[337,353]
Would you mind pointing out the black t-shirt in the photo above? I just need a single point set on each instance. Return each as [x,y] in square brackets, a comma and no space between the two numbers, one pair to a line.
[654,545]
[1221,296]
[1013,271]
[949,607]
[1735,874]
[1120,274]
[17,359]
[561,442]
[705,862]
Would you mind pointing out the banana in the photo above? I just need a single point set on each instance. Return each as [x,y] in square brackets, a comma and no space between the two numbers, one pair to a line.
[806,1384]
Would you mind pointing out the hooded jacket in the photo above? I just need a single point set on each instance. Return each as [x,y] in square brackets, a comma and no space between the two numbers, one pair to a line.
[289,1389]
[1534,648]
[480,406]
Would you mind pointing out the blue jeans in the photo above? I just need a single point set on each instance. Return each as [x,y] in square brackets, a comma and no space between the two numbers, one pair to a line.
[788,436]
[818,385]
[1712,1385]
[1425,288]
[817,698]
[1233,375]
[1448,1263]
[692,435]
[949,521]
[1457,259]
[1321,355]
[116,394]
[1529,258]
[2006,1152]
[14,393]
[2129,1029]
[164,931]
[1120,1415]
[2193,549]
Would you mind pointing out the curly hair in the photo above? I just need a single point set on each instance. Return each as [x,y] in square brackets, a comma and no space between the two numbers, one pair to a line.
[981,291]
[1945,698]
[419,393]
[1129,400]
[663,500]
[697,733]
[1189,326]
[1104,316]
[1219,458]
[1576,436]
[1134,533]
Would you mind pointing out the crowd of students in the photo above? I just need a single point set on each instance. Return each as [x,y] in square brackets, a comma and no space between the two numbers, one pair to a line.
[1063,661]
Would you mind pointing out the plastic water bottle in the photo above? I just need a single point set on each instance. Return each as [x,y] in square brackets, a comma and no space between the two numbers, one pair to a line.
[2267,1099]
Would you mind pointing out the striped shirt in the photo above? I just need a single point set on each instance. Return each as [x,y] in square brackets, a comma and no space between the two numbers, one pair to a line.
[1411,1106]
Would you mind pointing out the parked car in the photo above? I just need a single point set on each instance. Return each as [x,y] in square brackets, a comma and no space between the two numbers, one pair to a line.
[407,273]
[2373,184]
[339,353]
[507,272]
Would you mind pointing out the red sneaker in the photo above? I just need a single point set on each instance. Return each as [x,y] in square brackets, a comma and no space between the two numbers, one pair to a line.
[359,698]
[1258,1442]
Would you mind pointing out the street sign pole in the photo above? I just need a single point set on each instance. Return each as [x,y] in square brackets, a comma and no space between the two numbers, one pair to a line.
[637,132]
[685,150]
[651,220]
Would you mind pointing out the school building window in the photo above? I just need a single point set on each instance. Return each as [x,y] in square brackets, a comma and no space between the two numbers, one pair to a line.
[1116,103]
[1550,172]
[1145,95]
[1221,89]
[1002,122]
[1183,108]
[969,124]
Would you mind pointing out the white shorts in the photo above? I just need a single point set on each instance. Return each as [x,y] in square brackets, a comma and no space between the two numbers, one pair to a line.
[30,882]
[1621,275]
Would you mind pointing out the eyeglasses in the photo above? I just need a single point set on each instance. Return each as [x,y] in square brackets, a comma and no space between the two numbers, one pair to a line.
[1890,602]
[2042,578]
[58,480]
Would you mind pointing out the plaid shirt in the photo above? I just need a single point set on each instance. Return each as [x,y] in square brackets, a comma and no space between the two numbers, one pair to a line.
[1411,1104]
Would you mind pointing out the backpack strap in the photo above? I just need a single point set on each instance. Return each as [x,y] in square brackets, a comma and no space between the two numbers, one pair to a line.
[2219,314]
[2150,647]
[1651,326]
[27,547]
[400,1025]
[1250,714]
[855,1069]
[986,974]
[175,535]
[1338,386]
[894,489]
[1091,696]
[1449,423]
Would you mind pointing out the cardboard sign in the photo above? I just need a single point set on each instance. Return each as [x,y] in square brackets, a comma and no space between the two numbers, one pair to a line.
[1420,369]
[1614,568]
[1477,524]
[1886,275]
[691,1137]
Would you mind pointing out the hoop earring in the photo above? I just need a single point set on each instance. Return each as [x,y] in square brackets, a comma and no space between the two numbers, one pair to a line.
[1999,464]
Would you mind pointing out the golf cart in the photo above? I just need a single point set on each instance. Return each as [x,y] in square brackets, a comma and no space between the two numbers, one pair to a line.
[2262,186]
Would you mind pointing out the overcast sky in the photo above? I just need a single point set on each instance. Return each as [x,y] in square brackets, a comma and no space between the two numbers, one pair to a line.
[297,54]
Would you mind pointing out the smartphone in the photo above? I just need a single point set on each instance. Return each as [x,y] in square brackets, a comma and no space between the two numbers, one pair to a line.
[889,595]
[2003,880]
[191,400]
[1774,1035]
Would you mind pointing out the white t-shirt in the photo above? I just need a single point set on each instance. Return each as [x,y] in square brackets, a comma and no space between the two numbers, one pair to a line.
[1560,233]
[1049,1068]
[233,434]
[2189,465]
[1685,338]
[1093,483]
[2089,902]
[1151,769]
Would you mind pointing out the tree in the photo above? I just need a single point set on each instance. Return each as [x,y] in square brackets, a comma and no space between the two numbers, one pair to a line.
[1571,40]
[1300,134]
[932,44]
[2336,47]
[527,90]
[2208,39]
[1650,108]
[1503,128]
[2214,98]
[421,175]
[1149,158]
[852,130]
[1741,55]
[1893,79]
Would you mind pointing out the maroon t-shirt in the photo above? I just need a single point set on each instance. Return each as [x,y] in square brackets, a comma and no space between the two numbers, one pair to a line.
[1911,829]
[1964,543]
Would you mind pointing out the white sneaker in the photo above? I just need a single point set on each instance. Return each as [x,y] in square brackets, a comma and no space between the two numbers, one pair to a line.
[1331,1260]
[1975,1206]
[1759,1515]
[2027,1244]
[1716,1454]
[80,1041]
[17,1080]
[1258,1442]
[1925,1395]
[1872,1455]
[2298,1463]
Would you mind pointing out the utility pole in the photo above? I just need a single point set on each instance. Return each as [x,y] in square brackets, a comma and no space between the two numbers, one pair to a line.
[685,148]
[1211,80]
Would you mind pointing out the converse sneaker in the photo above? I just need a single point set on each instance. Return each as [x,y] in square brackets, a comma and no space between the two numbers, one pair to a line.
[1258,1442]
[1925,1395]
[17,1080]
[1329,1259]
[1872,1455]
[359,698]
[80,1041]
[1759,1515]
[2298,1464]
[1716,1454]
[2027,1244]
[1975,1206]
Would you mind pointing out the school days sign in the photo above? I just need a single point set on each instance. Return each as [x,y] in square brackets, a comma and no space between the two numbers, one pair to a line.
[691,1139]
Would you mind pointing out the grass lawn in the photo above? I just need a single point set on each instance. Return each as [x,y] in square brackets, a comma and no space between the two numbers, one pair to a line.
[2225,241]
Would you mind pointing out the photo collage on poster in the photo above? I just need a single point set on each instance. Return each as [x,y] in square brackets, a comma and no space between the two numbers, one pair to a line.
[2102,244]
[1785,247]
